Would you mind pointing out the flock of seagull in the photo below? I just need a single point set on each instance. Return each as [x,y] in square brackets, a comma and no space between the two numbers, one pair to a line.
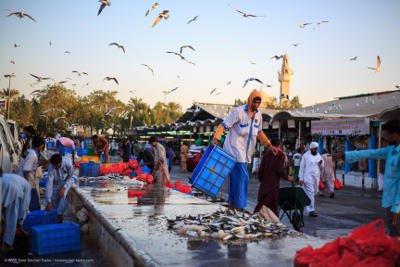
[165,15]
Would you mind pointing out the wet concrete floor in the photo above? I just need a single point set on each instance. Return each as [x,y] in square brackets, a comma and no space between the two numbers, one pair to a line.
[144,220]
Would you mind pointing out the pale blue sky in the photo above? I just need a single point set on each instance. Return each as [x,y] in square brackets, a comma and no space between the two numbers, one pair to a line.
[225,42]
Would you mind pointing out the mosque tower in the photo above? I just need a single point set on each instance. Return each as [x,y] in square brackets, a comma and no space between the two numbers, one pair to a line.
[285,77]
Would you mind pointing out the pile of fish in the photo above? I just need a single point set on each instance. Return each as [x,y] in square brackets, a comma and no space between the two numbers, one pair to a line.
[228,225]
[113,182]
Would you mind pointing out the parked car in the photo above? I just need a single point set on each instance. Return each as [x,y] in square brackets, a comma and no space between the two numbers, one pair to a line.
[193,158]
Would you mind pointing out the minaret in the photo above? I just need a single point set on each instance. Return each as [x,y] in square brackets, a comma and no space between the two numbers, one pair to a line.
[285,77]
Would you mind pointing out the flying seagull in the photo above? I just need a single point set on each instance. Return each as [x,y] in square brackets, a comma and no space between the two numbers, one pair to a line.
[59,83]
[252,62]
[147,66]
[190,62]
[354,58]
[251,79]
[164,15]
[111,78]
[20,14]
[378,65]
[244,14]
[185,46]
[17,46]
[228,83]
[118,45]
[213,90]
[277,57]
[58,118]
[50,43]
[67,52]
[111,110]
[39,79]
[80,73]
[397,86]
[104,3]
[12,62]
[173,89]
[304,25]
[319,23]
[154,6]
[296,44]
[86,84]
[177,54]
[193,19]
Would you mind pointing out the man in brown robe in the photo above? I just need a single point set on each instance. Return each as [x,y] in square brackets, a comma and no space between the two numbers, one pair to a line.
[269,174]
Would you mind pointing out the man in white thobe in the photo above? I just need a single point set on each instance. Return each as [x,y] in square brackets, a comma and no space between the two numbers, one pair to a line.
[61,172]
[310,169]
[16,196]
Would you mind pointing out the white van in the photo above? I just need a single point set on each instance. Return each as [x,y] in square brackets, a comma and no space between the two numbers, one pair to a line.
[15,136]
[8,154]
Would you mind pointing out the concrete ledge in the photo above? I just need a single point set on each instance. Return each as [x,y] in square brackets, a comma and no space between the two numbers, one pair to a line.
[355,179]
[114,243]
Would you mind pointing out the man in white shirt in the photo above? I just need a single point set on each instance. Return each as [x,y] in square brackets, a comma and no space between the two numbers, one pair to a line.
[27,168]
[61,179]
[296,163]
[310,169]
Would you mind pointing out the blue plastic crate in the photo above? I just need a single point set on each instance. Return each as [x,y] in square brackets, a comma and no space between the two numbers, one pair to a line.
[82,152]
[88,144]
[39,217]
[212,170]
[89,169]
[55,238]
[50,145]
[146,169]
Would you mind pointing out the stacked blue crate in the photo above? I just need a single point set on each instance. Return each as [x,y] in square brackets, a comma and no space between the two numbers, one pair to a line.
[89,169]
[39,217]
[55,238]
[212,171]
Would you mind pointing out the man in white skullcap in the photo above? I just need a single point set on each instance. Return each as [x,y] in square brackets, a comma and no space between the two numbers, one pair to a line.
[310,169]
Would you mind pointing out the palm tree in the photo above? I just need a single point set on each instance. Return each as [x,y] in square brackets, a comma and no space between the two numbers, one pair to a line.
[9,95]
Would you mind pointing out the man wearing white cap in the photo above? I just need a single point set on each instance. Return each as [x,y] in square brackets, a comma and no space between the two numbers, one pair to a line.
[310,169]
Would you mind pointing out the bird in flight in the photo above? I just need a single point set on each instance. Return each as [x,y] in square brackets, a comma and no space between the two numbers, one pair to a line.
[59,83]
[304,25]
[354,58]
[246,15]
[147,66]
[104,3]
[185,46]
[213,91]
[12,62]
[164,15]
[319,23]
[251,79]
[38,91]
[111,110]
[86,84]
[20,14]
[193,19]
[296,44]
[173,89]
[50,43]
[59,118]
[397,86]
[118,45]
[111,78]
[80,73]
[190,62]
[252,62]
[154,6]
[39,79]
[53,109]
[67,52]
[177,54]
[277,57]
[378,65]
[228,83]
[268,85]
[17,46]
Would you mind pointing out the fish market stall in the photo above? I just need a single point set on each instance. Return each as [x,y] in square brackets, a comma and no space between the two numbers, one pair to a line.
[160,226]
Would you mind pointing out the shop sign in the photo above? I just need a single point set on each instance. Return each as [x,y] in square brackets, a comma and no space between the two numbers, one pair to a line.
[291,124]
[265,125]
[351,126]
[275,125]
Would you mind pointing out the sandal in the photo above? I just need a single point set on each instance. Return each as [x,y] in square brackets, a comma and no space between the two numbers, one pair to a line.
[313,214]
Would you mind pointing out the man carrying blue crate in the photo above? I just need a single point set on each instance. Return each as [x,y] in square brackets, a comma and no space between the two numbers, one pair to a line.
[61,179]
[16,196]
[244,125]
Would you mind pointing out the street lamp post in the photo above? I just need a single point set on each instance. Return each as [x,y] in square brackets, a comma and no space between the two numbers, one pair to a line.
[9,76]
